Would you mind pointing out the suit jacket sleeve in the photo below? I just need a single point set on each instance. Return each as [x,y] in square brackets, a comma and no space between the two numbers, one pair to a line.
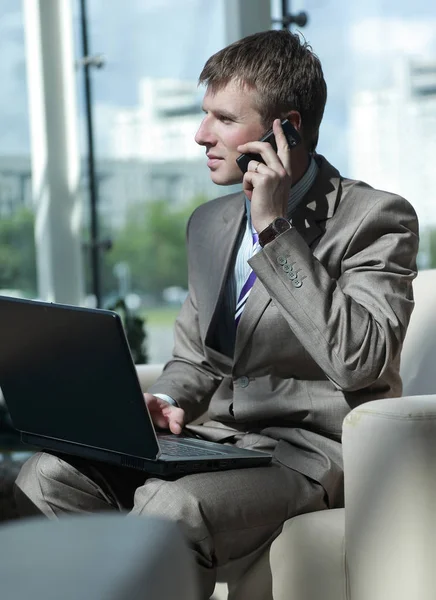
[352,322]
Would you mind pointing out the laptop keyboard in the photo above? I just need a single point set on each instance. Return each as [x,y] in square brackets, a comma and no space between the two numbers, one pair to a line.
[177,449]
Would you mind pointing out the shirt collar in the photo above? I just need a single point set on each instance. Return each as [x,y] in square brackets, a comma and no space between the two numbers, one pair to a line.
[303,185]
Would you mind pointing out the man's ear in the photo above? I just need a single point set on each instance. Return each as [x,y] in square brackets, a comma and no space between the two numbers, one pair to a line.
[295,119]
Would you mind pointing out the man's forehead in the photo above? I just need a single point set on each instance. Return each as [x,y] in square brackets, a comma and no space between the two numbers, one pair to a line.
[235,84]
[234,94]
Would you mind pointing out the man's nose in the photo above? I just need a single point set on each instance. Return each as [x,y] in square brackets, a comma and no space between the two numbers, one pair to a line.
[204,135]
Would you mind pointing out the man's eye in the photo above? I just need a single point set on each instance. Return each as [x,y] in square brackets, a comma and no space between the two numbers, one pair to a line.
[225,119]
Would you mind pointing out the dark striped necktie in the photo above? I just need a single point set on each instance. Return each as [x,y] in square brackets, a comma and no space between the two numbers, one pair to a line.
[246,288]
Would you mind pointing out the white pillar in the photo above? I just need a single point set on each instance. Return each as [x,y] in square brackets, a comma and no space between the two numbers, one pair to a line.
[54,149]
[244,17]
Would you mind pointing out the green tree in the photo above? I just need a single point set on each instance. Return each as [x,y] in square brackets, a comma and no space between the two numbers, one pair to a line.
[432,248]
[153,245]
[427,248]
[17,252]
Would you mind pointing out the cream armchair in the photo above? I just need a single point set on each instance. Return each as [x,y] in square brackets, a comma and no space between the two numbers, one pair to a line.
[382,546]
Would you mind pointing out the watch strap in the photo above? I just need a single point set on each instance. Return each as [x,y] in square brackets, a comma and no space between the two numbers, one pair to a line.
[273,230]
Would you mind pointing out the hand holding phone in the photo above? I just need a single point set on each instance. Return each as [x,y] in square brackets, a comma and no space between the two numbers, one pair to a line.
[292,136]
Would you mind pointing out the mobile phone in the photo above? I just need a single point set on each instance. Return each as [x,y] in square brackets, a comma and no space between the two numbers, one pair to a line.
[291,134]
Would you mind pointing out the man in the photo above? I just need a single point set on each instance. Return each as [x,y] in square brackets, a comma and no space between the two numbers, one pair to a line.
[320,331]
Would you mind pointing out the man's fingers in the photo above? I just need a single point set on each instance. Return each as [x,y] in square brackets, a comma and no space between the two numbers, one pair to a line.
[283,149]
[265,150]
[173,413]
[274,160]
[164,414]
[279,134]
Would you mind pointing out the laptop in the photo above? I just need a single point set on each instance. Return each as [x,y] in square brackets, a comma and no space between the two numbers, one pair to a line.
[70,385]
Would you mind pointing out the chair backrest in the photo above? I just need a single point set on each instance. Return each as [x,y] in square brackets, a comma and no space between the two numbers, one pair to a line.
[147,374]
[418,359]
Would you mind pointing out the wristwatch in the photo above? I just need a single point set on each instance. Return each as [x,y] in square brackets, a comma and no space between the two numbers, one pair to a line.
[278,226]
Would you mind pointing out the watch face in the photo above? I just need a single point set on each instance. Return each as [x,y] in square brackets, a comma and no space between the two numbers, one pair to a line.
[280,225]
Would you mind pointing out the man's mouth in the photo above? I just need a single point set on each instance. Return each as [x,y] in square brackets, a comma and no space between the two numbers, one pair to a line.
[213,161]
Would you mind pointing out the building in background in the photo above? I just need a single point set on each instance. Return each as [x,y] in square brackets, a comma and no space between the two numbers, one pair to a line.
[162,127]
[126,183]
[393,139]
[121,184]
[154,155]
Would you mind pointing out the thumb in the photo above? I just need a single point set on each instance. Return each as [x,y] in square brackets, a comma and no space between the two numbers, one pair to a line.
[175,427]
[176,420]
[247,184]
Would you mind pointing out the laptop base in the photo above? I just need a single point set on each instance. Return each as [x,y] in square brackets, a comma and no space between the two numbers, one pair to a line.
[168,467]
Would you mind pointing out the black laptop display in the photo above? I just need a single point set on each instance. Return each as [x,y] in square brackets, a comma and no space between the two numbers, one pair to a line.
[70,385]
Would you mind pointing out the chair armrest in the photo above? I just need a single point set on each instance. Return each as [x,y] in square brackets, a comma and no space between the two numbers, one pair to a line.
[390,499]
[307,558]
[147,374]
[100,556]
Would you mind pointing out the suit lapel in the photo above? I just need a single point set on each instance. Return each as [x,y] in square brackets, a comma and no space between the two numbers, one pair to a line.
[220,256]
[319,204]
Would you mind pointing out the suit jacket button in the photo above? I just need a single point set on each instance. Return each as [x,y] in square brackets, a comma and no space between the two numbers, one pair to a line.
[281,260]
[297,283]
[243,381]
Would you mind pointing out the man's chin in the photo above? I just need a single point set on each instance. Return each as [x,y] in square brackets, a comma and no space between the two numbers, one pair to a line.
[225,178]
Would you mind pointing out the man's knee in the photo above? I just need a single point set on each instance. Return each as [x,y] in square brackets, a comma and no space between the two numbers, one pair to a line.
[31,480]
[53,486]
[175,500]
[36,467]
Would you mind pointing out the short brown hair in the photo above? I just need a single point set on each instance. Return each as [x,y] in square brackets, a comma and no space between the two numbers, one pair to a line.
[284,71]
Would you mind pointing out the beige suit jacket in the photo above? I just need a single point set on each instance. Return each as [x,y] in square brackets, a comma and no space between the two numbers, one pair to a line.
[305,353]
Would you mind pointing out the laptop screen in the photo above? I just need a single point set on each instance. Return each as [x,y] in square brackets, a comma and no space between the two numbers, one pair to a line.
[66,372]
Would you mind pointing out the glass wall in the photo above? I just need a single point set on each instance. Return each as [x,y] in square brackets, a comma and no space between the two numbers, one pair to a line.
[17,248]
[150,172]
[379,59]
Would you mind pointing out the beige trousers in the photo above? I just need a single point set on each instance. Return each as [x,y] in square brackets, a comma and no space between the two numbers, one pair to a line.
[224,515]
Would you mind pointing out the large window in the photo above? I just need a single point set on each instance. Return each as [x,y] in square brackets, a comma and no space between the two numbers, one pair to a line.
[150,173]
[17,248]
[379,59]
